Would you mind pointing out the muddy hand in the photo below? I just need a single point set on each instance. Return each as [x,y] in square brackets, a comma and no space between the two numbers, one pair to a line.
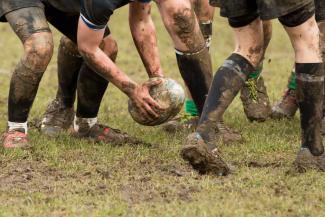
[144,103]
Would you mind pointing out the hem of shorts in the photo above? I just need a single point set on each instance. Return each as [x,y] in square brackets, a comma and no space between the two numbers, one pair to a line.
[238,14]
[2,15]
[283,13]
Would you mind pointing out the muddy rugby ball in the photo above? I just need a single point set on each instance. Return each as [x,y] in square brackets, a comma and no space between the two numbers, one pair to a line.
[169,94]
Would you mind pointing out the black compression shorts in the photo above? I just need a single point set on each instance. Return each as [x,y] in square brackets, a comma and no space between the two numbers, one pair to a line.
[265,9]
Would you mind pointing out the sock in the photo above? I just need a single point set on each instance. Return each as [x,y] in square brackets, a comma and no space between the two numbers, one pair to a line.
[227,82]
[90,122]
[190,108]
[206,29]
[69,64]
[91,89]
[23,89]
[310,91]
[256,73]
[17,126]
[196,71]
[292,84]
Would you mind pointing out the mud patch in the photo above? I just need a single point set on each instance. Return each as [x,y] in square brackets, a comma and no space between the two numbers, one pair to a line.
[255,164]
[144,190]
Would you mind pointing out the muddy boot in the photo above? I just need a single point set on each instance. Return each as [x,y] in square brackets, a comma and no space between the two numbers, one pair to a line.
[286,107]
[15,139]
[56,119]
[305,161]
[99,133]
[181,123]
[255,100]
[227,82]
[202,158]
[226,135]
[310,91]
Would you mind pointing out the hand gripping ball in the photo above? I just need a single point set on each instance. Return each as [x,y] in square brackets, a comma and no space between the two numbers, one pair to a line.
[169,95]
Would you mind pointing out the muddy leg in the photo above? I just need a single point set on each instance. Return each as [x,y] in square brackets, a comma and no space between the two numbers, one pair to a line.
[231,77]
[31,27]
[69,64]
[91,86]
[192,55]
[310,82]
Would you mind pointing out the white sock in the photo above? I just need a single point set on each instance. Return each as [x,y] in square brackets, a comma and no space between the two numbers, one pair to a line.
[90,121]
[15,126]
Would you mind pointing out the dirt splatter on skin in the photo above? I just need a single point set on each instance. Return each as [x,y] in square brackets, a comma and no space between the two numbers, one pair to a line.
[27,75]
[185,23]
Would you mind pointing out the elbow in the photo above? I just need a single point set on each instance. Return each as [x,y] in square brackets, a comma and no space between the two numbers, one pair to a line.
[85,51]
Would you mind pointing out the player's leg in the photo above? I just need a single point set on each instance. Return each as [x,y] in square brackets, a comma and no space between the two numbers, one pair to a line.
[254,95]
[191,51]
[287,106]
[200,147]
[31,27]
[304,33]
[204,13]
[60,113]
[193,56]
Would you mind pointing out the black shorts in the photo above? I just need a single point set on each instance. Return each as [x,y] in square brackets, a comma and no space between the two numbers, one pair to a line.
[320,10]
[65,22]
[265,9]
[7,6]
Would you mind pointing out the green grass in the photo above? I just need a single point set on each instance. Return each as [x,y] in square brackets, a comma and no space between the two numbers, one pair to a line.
[68,177]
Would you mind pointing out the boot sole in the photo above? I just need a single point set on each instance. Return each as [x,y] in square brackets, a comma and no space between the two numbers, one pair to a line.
[203,161]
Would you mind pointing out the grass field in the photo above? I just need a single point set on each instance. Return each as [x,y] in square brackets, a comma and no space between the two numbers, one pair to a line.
[68,177]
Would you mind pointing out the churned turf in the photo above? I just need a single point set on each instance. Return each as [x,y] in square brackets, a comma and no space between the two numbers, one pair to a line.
[69,177]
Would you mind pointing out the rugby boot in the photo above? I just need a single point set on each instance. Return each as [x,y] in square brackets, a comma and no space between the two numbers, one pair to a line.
[181,123]
[15,139]
[305,160]
[255,100]
[99,133]
[202,157]
[286,107]
[56,119]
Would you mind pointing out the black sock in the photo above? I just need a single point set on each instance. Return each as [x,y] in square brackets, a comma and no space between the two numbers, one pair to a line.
[310,91]
[69,64]
[196,71]
[91,89]
[227,82]
[23,89]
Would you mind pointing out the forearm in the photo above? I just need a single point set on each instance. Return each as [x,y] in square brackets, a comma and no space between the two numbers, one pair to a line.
[144,36]
[104,66]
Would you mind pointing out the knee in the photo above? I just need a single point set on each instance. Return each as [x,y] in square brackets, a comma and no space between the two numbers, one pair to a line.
[110,48]
[38,51]
[184,25]
[68,46]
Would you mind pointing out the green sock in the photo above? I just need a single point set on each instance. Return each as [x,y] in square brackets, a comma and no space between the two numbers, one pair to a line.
[257,73]
[190,108]
[292,85]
